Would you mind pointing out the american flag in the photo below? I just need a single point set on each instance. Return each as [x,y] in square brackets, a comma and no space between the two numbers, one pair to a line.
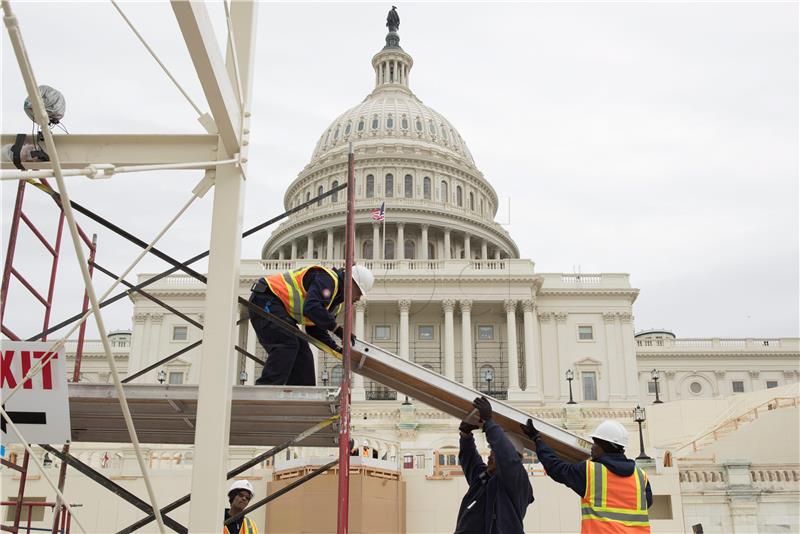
[378,214]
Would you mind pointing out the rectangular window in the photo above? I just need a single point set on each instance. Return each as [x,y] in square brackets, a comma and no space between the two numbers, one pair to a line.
[176,377]
[651,388]
[419,461]
[585,333]
[425,332]
[180,333]
[383,332]
[737,386]
[772,384]
[408,461]
[589,379]
[485,332]
[36,512]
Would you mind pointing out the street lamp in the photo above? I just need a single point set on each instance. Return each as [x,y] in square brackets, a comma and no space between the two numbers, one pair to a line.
[243,376]
[47,461]
[570,378]
[162,376]
[639,417]
[488,375]
[654,376]
[325,377]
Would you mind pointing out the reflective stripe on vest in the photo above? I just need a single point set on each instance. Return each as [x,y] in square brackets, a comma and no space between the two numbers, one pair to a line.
[614,503]
[248,527]
[288,287]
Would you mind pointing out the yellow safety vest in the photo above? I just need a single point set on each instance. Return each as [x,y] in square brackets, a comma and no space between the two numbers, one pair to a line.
[614,504]
[288,287]
[248,527]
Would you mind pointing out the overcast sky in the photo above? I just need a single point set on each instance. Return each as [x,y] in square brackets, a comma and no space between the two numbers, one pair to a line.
[659,140]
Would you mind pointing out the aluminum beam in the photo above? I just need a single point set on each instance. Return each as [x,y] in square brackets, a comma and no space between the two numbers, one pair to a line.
[198,33]
[261,415]
[76,151]
[455,398]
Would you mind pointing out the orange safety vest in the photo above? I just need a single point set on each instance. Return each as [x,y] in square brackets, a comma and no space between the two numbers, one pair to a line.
[288,286]
[248,527]
[614,504]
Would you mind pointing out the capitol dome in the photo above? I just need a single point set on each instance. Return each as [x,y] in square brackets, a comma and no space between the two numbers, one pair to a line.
[409,158]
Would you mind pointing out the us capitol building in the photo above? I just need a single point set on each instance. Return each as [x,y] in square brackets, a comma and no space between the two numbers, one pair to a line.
[454,295]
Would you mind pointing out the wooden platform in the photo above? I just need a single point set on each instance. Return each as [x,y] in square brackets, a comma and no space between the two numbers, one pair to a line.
[260,415]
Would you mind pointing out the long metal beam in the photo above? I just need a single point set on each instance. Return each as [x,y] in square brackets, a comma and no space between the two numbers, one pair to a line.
[198,33]
[80,150]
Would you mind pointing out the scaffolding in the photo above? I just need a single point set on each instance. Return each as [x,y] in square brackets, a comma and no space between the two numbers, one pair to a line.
[214,414]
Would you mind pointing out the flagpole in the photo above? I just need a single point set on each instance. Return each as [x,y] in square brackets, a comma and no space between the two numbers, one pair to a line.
[383,247]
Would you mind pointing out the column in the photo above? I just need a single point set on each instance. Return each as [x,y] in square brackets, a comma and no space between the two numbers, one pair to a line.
[532,352]
[281,254]
[511,339]
[449,339]
[497,253]
[446,244]
[400,254]
[466,343]
[294,249]
[467,248]
[550,370]
[376,241]
[137,359]
[357,392]
[329,252]
[629,357]
[252,343]
[310,251]
[154,347]
[616,374]
[405,306]
[424,242]
[484,250]
[562,336]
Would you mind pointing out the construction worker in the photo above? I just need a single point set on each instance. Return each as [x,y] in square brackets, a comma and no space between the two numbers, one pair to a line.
[499,491]
[615,494]
[311,296]
[239,496]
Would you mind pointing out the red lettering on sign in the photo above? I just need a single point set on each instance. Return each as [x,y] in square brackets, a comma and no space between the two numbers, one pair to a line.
[47,372]
[5,374]
[26,366]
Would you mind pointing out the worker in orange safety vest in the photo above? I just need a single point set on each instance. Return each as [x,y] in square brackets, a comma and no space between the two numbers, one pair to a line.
[615,493]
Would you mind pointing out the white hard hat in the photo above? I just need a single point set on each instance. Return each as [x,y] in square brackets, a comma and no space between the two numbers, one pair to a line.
[241,485]
[612,432]
[516,441]
[363,278]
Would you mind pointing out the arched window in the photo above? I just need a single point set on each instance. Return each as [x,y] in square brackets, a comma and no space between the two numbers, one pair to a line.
[404,123]
[375,122]
[320,190]
[348,128]
[336,376]
[443,192]
[431,251]
[335,195]
[419,125]
[389,185]
[472,201]
[409,186]
[426,188]
[370,186]
[390,122]
[481,206]
[459,196]
[431,127]
[366,249]
[444,132]
[336,133]
[388,249]
[361,124]
[308,197]
[410,250]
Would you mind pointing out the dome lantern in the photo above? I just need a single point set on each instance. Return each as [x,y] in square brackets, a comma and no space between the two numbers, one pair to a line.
[392,64]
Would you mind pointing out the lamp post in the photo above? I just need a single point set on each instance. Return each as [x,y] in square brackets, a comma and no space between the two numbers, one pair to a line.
[639,417]
[325,377]
[570,377]
[654,376]
[47,461]
[243,376]
[162,376]
[488,375]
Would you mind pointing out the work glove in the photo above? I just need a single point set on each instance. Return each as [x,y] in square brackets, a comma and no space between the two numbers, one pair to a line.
[339,332]
[484,408]
[529,430]
[466,428]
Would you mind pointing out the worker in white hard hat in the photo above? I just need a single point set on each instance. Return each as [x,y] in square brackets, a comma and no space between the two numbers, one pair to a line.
[499,491]
[312,296]
[615,493]
[239,496]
